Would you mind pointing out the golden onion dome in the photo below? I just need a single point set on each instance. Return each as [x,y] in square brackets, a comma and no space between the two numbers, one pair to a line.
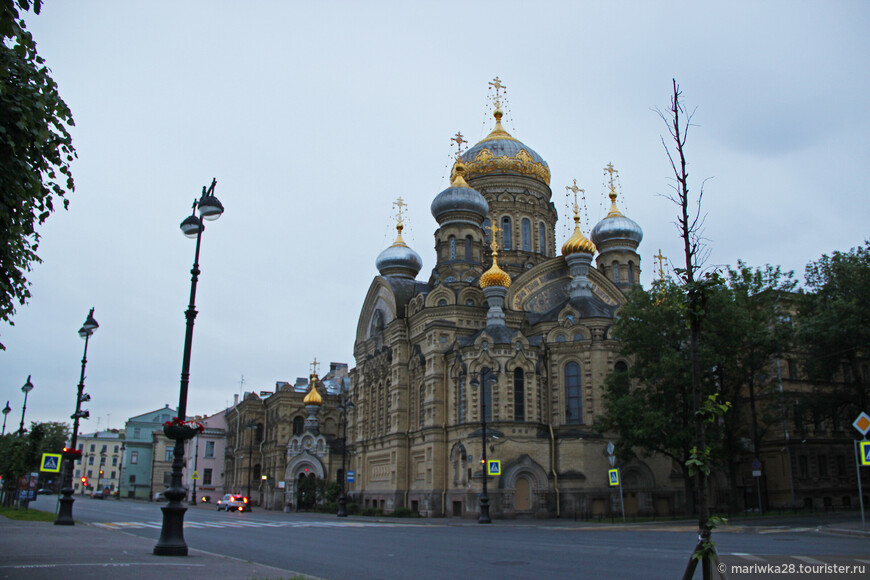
[495,276]
[313,397]
[578,243]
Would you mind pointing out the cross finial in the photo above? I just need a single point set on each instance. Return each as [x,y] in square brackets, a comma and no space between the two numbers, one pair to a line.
[576,190]
[399,204]
[610,169]
[493,234]
[498,86]
[314,366]
[661,260]
[459,141]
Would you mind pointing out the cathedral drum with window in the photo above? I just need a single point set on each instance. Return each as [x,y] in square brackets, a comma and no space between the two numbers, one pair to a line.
[513,330]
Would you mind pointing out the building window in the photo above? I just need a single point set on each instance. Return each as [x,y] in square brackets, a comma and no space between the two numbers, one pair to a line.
[132,479]
[91,460]
[137,432]
[209,449]
[460,395]
[169,454]
[298,425]
[631,272]
[823,465]
[452,242]
[114,461]
[103,450]
[113,475]
[116,449]
[803,466]
[468,248]
[519,395]
[527,235]
[134,457]
[573,402]
[486,380]
[93,447]
[506,236]
[206,476]
[616,272]
[542,239]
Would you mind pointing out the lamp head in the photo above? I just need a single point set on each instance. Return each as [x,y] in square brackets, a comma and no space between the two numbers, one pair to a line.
[210,207]
[90,326]
[28,386]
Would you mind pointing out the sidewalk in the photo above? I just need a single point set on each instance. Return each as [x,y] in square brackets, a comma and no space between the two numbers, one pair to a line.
[41,550]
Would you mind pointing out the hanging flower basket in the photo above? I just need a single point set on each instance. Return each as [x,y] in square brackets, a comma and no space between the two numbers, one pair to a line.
[179,430]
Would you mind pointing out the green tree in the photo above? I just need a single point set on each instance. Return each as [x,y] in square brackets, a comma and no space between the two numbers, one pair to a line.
[834,330]
[35,152]
[21,455]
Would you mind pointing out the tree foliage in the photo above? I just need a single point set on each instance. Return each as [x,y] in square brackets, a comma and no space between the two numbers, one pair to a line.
[35,152]
[834,327]
[21,455]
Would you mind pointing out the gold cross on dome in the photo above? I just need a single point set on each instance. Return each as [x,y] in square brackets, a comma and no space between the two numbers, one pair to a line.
[493,234]
[314,366]
[496,84]
[661,260]
[459,141]
[609,169]
[399,204]
[576,190]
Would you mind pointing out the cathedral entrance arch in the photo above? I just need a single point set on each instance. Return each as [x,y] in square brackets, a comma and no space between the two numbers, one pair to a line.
[526,481]
[304,465]
[523,494]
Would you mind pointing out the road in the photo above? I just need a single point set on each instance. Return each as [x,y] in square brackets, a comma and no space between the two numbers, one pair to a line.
[397,549]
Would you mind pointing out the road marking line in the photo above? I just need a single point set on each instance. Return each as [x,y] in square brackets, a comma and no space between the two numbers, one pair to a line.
[749,557]
[809,560]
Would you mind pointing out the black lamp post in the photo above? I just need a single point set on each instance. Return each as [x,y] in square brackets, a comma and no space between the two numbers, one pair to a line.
[171,541]
[28,386]
[484,497]
[64,515]
[6,410]
[120,468]
[250,426]
[343,407]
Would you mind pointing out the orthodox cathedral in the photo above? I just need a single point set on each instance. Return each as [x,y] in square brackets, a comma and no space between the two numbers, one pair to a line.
[507,332]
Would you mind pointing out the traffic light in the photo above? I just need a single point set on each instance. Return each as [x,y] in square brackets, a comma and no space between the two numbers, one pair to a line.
[74,454]
[85,481]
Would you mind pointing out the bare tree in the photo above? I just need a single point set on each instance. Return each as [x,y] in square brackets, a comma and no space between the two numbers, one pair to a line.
[696,285]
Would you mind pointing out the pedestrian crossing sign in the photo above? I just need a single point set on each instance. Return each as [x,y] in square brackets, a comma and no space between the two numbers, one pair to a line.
[864,448]
[50,462]
[195,475]
[613,474]
[493,467]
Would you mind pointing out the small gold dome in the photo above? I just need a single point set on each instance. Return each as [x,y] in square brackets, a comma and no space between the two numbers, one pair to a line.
[313,397]
[578,243]
[495,276]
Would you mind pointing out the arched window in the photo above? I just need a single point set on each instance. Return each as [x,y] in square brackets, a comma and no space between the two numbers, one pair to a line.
[631,272]
[542,239]
[452,242]
[506,237]
[298,425]
[527,235]
[573,401]
[519,395]
[468,248]
[620,366]
[486,381]
[616,272]
[487,239]
[420,402]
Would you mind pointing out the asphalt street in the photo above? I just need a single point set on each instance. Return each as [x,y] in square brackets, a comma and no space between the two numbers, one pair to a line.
[324,546]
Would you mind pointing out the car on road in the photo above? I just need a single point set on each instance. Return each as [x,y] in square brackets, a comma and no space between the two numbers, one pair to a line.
[98,494]
[45,491]
[234,502]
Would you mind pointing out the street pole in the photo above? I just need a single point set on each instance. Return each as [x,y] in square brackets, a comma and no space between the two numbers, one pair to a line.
[171,541]
[28,386]
[860,487]
[483,518]
[64,515]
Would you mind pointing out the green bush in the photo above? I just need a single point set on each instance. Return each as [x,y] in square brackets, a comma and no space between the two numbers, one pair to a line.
[404,512]
[352,508]
[372,511]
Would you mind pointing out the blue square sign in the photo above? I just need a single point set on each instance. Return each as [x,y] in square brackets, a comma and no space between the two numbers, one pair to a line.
[864,452]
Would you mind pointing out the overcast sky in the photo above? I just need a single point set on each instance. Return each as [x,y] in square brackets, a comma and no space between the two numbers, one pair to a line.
[315,116]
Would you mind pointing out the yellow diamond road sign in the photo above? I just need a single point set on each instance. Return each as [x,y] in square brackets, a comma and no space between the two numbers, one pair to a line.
[50,462]
[862,423]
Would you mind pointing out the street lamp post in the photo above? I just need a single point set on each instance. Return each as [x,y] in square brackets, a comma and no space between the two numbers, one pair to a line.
[343,407]
[120,468]
[64,515]
[484,497]
[6,410]
[250,426]
[171,541]
[28,386]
